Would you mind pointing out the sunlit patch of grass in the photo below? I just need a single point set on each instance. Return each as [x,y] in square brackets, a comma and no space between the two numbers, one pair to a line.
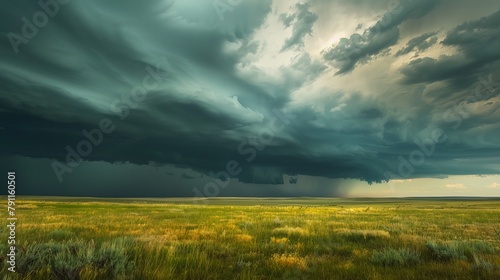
[201,234]
[298,247]
[27,206]
[243,237]
[279,241]
[155,240]
[411,239]
[291,231]
[288,261]
[231,225]
[360,252]
[360,235]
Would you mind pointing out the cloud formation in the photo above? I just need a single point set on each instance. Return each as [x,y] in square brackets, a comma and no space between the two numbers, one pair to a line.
[360,48]
[419,44]
[303,22]
[184,89]
[479,49]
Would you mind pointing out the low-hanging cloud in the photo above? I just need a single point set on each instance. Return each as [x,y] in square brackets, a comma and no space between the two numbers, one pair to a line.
[218,100]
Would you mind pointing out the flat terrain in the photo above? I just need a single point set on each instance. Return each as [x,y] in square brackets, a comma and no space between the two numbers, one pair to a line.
[303,238]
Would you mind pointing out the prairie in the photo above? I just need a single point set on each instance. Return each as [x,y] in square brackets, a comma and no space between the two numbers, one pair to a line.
[230,238]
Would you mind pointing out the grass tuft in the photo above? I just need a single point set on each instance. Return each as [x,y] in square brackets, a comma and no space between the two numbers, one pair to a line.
[288,261]
[446,251]
[396,257]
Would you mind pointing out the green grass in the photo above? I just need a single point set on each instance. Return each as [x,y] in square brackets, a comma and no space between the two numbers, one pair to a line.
[255,239]
[393,257]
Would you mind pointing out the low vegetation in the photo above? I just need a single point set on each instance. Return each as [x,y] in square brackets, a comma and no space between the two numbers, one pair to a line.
[399,257]
[258,239]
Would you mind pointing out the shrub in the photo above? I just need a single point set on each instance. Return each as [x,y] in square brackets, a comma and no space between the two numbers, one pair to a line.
[36,256]
[73,256]
[393,257]
[457,250]
[66,260]
[446,251]
[112,256]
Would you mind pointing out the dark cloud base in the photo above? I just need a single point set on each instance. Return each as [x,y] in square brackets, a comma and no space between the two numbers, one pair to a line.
[198,110]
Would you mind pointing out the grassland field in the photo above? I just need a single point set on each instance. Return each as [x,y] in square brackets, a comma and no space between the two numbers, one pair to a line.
[230,238]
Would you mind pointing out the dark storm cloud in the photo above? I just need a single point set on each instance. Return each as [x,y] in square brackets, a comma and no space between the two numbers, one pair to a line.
[194,120]
[478,43]
[419,43]
[360,48]
[476,37]
[208,104]
[429,69]
[303,23]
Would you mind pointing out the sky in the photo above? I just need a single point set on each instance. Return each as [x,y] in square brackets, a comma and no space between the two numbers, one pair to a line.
[204,98]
